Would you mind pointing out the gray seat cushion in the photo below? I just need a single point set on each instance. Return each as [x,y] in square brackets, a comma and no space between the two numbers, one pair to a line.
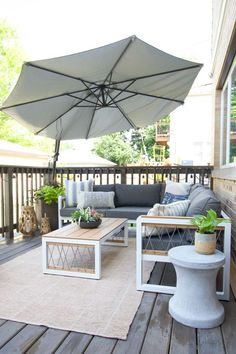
[66,212]
[128,212]
[138,195]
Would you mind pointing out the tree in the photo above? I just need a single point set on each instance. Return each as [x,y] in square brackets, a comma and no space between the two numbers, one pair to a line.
[10,65]
[143,140]
[114,148]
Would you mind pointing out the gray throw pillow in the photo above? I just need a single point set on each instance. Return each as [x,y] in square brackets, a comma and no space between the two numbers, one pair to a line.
[96,200]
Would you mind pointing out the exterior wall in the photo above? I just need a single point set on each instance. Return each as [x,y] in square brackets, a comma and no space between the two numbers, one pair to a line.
[223,52]
[226,192]
[192,124]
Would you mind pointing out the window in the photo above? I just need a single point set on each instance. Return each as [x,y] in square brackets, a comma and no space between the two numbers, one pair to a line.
[228,115]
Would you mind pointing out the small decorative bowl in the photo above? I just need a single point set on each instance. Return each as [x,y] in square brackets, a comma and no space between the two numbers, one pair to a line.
[90,224]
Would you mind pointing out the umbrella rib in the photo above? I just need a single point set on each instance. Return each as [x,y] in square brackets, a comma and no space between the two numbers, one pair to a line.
[97,97]
[123,113]
[118,60]
[157,74]
[43,99]
[46,126]
[91,121]
[58,73]
[123,90]
[148,95]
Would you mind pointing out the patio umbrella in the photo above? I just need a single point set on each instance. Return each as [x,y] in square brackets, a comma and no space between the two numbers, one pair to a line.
[123,85]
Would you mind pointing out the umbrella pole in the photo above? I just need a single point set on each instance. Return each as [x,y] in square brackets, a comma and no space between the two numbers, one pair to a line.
[55,158]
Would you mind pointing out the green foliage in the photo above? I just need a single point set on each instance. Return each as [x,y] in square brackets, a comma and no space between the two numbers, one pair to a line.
[207,224]
[86,215]
[49,193]
[11,59]
[114,148]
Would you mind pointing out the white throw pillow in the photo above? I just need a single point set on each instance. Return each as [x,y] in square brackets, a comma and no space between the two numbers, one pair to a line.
[96,200]
[178,208]
[176,191]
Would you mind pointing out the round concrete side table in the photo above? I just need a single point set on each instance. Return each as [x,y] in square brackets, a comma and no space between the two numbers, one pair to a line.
[195,303]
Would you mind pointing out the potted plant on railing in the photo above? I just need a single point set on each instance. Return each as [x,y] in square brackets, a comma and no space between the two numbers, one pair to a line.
[46,198]
[87,218]
[205,235]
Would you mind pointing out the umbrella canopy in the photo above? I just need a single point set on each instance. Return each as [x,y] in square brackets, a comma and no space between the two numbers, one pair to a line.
[123,85]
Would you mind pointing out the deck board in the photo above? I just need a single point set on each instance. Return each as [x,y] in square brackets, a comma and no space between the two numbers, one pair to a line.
[75,343]
[210,341]
[152,331]
[48,342]
[183,339]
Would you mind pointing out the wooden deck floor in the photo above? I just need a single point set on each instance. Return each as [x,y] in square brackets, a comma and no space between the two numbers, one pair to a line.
[153,331]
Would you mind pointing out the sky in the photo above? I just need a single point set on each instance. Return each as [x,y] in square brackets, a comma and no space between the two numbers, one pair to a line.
[50,28]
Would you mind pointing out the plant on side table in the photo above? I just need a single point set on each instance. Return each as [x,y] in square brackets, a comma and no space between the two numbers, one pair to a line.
[46,198]
[205,235]
[87,218]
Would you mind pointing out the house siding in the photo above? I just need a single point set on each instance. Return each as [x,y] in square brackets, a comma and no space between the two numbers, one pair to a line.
[225,190]
[223,52]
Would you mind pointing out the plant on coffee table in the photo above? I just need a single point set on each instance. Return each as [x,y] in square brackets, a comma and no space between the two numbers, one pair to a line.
[87,217]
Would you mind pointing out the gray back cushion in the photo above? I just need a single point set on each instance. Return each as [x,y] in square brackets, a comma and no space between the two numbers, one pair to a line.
[203,201]
[195,190]
[104,188]
[138,195]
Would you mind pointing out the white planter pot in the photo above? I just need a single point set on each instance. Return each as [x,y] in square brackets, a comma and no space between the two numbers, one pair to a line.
[205,243]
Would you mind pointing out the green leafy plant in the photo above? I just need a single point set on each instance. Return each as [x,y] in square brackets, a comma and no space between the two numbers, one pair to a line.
[206,224]
[49,193]
[86,215]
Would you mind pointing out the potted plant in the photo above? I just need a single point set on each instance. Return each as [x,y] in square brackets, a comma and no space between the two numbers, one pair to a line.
[46,198]
[205,235]
[87,218]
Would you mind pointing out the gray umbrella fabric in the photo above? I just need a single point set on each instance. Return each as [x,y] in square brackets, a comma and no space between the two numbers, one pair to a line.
[123,85]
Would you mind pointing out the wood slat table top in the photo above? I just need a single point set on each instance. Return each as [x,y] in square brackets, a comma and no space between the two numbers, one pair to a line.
[73,231]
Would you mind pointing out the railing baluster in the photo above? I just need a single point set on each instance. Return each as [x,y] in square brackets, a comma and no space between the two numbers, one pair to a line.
[15,192]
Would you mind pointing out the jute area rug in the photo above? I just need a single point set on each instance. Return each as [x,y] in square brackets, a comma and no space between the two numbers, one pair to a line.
[104,307]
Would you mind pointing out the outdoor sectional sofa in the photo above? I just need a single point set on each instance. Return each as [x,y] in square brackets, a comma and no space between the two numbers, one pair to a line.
[131,201]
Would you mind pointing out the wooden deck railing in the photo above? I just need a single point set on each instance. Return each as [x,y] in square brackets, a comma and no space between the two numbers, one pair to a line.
[17,184]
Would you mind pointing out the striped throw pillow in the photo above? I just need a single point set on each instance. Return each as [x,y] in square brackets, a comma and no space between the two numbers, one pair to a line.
[74,188]
[178,208]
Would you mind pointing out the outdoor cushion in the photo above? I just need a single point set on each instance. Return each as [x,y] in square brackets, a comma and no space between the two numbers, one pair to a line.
[96,200]
[129,212]
[199,188]
[137,195]
[74,188]
[176,191]
[178,208]
[202,202]
[104,188]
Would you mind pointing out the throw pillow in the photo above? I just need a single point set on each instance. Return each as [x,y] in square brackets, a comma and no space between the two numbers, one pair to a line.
[176,191]
[96,200]
[74,188]
[178,208]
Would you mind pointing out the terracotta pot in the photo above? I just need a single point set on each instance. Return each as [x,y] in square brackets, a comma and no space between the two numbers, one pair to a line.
[205,243]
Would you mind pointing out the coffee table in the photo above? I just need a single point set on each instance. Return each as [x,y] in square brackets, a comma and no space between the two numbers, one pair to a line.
[76,252]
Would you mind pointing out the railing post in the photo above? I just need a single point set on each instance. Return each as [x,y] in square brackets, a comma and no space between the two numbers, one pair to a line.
[9,204]
[123,175]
